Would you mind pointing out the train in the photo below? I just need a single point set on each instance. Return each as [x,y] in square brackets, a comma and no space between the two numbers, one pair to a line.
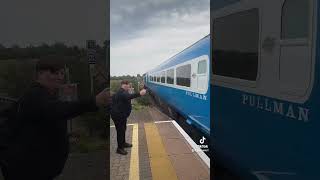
[181,85]
[265,88]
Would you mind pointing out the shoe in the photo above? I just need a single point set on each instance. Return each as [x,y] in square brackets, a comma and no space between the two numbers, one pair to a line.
[122,151]
[127,145]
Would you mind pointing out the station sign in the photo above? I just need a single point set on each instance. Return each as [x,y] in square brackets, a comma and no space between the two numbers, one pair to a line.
[91,51]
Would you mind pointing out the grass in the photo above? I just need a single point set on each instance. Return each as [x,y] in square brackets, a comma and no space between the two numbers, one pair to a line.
[89,133]
[136,106]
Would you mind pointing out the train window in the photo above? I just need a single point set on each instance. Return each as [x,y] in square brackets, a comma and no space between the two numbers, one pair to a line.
[184,75]
[236,44]
[295,19]
[163,77]
[158,77]
[170,76]
[202,67]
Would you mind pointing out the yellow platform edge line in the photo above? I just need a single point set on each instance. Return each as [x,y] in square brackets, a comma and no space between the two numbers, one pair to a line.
[134,159]
[161,166]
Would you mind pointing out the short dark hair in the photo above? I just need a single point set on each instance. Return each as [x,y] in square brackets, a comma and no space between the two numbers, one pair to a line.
[124,82]
[50,63]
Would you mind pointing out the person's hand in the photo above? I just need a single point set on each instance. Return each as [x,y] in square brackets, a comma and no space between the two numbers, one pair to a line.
[103,98]
[143,92]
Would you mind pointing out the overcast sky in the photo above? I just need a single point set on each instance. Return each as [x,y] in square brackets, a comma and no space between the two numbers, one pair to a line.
[25,22]
[145,33]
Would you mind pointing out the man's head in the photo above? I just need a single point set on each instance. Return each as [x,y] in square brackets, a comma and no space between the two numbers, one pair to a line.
[50,72]
[125,85]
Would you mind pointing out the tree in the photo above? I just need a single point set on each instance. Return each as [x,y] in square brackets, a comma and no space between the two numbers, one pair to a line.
[3,52]
[2,47]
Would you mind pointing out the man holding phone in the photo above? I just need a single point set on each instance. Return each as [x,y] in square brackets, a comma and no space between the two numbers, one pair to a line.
[39,145]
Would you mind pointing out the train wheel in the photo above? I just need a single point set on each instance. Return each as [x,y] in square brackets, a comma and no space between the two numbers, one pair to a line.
[173,114]
[170,112]
[154,100]
[160,102]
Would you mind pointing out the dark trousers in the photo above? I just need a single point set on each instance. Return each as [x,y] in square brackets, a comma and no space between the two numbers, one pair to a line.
[121,127]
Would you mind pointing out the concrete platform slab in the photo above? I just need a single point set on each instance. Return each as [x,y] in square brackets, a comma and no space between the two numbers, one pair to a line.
[162,151]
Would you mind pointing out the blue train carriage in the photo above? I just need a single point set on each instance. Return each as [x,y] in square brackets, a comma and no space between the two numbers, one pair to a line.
[265,84]
[182,84]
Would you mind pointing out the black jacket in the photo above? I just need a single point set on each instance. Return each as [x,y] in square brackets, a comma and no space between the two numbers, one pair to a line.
[121,104]
[41,141]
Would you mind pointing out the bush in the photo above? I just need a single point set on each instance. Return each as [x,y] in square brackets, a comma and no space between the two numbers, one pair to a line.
[144,100]
[96,123]
[92,134]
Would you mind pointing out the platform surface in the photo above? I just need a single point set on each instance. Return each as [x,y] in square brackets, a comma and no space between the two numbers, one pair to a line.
[160,151]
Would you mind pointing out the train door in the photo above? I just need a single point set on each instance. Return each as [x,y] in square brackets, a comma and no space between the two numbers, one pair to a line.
[295,46]
[286,61]
[202,74]
[286,53]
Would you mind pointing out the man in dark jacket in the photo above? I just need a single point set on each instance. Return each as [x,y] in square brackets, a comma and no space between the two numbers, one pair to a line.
[121,109]
[40,146]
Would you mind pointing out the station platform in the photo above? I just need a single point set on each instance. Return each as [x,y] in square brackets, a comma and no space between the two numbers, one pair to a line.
[161,151]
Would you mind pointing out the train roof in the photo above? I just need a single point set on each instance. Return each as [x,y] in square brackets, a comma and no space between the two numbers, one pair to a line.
[200,47]
[218,4]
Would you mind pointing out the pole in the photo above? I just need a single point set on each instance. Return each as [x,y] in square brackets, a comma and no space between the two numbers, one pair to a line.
[91,70]
[91,54]
[68,98]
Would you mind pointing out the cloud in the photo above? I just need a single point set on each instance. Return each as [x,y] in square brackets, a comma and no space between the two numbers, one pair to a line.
[167,28]
[128,17]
